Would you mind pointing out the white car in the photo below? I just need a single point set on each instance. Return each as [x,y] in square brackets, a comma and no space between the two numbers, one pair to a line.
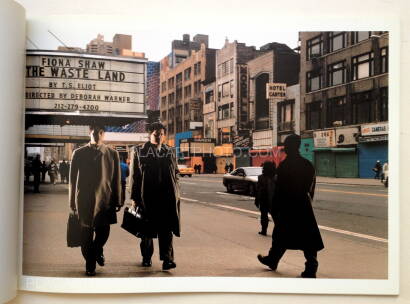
[243,179]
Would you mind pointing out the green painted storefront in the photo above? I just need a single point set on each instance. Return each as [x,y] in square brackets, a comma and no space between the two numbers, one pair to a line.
[336,162]
[306,149]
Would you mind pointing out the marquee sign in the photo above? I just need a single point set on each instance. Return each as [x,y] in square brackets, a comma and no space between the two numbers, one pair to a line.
[83,83]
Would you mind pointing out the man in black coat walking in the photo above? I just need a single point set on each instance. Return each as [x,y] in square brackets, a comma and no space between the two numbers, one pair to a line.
[155,189]
[295,223]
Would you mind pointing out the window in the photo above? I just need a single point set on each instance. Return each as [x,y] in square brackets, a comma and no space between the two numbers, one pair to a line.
[383,104]
[225,68]
[363,108]
[187,91]
[187,74]
[337,41]
[336,111]
[163,101]
[163,86]
[285,111]
[186,108]
[224,135]
[336,73]
[171,114]
[164,115]
[384,60]
[197,68]
[314,115]
[360,36]
[232,90]
[197,87]
[219,92]
[178,96]
[179,79]
[209,97]
[171,83]
[171,98]
[186,125]
[314,47]
[226,90]
[223,112]
[231,109]
[362,66]
[313,81]
[231,66]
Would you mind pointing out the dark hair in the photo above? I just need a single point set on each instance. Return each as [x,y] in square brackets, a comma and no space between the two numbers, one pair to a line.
[292,143]
[156,126]
[97,127]
[269,168]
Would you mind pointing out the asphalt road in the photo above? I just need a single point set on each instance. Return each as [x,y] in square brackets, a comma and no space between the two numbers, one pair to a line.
[219,236]
[358,209]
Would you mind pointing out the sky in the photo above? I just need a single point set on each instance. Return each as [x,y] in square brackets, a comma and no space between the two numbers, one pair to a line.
[153,24]
[150,38]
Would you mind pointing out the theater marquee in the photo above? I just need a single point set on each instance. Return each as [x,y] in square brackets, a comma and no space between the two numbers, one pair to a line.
[82,84]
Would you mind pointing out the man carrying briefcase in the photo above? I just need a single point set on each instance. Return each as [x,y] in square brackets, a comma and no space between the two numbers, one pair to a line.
[95,193]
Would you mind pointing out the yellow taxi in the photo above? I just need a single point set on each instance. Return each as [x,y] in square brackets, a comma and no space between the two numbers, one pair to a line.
[185,170]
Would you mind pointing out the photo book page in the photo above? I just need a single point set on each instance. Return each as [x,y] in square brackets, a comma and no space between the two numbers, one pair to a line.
[160,159]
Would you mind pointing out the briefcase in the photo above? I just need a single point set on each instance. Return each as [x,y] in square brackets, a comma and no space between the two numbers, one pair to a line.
[133,221]
[73,230]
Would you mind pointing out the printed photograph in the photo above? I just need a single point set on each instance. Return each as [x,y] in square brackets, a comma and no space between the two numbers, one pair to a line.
[172,153]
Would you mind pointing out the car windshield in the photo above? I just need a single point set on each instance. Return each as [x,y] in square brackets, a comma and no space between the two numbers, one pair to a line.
[254,171]
[182,167]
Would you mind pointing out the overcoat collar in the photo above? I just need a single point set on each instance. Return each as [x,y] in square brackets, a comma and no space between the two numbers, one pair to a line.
[102,148]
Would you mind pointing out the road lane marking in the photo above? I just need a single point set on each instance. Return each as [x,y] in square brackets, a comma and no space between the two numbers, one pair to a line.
[350,192]
[209,181]
[236,195]
[189,199]
[360,235]
[188,183]
[340,231]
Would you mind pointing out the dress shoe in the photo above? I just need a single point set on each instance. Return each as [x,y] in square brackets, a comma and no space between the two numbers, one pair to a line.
[146,263]
[310,275]
[90,273]
[166,265]
[265,260]
[100,259]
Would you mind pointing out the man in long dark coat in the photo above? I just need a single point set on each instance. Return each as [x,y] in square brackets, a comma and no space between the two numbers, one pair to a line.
[95,192]
[295,223]
[155,189]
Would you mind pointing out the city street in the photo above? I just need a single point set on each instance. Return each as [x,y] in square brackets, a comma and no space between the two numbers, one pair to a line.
[219,235]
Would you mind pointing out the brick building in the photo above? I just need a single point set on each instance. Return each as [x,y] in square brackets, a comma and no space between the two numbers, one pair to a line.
[275,63]
[344,93]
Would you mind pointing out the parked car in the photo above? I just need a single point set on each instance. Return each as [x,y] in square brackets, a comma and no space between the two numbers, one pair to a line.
[185,170]
[243,179]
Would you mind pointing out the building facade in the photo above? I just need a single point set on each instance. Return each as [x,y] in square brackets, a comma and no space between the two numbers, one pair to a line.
[181,93]
[274,119]
[344,90]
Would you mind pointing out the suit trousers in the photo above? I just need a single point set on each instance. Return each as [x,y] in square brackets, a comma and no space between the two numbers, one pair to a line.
[311,264]
[91,246]
[166,250]
[264,219]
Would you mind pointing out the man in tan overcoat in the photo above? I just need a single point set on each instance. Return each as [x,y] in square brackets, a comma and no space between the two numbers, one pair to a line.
[95,192]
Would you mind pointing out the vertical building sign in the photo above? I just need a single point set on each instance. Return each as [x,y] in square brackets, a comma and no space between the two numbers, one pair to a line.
[243,100]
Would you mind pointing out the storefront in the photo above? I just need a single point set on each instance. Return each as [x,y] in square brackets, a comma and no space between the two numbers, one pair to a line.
[224,156]
[373,146]
[335,152]
[306,149]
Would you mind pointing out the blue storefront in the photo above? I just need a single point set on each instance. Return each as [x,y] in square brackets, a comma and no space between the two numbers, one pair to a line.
[306,149]
[373,146]
[178,137]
